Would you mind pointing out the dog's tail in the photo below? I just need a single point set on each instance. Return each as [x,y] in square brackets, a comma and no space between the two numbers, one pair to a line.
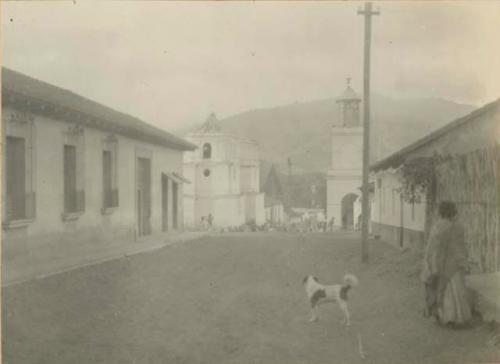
[350,280]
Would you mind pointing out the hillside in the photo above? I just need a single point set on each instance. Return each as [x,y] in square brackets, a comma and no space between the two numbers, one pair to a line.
[301,131]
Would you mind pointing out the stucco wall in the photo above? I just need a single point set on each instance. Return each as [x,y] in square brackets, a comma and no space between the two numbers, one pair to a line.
[234,171]
[344,176]
[337,188]
[481,132]
[347,148]
[92,226]
[388,208]
[399,237]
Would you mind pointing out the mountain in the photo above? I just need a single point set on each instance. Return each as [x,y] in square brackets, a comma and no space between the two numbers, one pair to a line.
[301,131]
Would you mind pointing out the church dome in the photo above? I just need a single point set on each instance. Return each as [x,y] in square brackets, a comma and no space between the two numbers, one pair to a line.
[349,94]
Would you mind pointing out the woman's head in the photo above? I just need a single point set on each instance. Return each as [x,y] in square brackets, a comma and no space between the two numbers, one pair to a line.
[447,210]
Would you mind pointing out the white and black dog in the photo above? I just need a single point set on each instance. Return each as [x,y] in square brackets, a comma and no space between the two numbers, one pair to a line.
[319,293]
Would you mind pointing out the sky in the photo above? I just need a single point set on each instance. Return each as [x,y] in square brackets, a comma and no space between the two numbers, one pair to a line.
[172,63]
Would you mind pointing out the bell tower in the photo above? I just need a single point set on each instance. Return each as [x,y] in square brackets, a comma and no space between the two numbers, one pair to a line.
[344,176]
[348,104]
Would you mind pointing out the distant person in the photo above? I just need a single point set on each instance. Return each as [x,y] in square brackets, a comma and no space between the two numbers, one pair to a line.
[210,220]
[444,268]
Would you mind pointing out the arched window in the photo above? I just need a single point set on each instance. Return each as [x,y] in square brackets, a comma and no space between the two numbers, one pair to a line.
[207,151]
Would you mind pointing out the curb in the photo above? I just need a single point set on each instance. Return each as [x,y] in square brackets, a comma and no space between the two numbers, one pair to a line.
[99,259]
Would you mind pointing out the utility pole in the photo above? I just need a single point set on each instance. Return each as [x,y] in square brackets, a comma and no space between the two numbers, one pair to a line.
[289,164]
[367,12]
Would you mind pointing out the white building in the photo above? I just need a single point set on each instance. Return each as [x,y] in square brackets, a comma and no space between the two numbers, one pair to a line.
[79,176]
[344,176]
[464,156]
[405,224]
[396,221]
[225,174]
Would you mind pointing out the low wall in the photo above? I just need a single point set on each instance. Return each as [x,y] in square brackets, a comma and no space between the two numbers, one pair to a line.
[413,239]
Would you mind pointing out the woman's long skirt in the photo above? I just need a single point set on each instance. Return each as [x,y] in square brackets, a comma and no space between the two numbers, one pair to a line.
[455,307]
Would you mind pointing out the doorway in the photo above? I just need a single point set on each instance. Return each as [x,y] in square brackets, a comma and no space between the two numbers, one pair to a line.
[164,201]
[143,196]
[347,211]
[175,204]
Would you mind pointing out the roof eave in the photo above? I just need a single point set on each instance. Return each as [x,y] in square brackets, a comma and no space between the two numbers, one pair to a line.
[399,157]
[107,125]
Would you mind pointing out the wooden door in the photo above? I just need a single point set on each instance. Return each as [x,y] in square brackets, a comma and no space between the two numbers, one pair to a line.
[175,204]
[164,201]
[143,196]
[70,195]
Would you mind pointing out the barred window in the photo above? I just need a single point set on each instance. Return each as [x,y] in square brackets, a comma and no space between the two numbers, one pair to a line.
[73,198]
[16,178]
[73,170]
[109,174]
[19,169]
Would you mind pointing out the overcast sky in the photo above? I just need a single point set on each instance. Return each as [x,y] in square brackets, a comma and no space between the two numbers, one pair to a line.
[171,63]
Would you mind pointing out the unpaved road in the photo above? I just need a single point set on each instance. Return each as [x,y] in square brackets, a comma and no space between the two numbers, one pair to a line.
[232,299]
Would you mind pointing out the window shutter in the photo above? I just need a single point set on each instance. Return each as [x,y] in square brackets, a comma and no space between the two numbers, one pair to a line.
[114,197]
[30,205]
[80,200]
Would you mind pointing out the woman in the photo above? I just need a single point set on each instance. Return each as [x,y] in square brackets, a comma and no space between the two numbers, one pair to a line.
[445,264]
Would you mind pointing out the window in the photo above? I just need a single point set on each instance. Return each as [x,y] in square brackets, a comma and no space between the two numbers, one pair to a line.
[110,194]
[207,151]
[73,168]
[16,178]
[19,168]
[71,203]
[109,174]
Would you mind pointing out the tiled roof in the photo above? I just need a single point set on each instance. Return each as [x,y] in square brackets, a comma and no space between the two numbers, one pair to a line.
[400,156]
[63,104]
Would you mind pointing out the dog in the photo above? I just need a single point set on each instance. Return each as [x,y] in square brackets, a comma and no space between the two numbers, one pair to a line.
[318,293]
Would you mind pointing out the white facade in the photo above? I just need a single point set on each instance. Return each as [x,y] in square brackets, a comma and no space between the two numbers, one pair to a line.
[225,175]
[390,213]
[87,183]
[345,175]
[404,224]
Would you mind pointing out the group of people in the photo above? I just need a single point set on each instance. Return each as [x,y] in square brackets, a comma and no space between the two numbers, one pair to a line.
[445,265]
[207,222]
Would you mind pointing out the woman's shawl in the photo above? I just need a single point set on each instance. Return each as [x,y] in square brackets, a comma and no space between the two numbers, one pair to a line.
[446,252]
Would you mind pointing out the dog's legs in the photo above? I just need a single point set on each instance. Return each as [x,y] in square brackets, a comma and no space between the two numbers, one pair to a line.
[345,310]
[314,314]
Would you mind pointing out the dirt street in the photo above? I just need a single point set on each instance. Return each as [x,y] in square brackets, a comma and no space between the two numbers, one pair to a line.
[233,298]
